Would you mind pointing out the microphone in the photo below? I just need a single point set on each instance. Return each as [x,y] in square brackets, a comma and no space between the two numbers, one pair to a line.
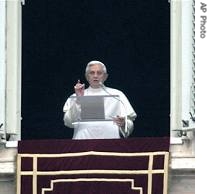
[118,99]
[101,84]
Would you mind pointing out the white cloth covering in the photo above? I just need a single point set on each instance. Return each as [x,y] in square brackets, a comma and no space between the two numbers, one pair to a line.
[99,129]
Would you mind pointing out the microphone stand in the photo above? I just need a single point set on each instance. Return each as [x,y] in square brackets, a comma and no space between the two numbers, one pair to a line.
[125,133]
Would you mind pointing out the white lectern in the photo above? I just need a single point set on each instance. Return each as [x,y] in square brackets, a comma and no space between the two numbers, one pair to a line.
[94,116]
[97,108]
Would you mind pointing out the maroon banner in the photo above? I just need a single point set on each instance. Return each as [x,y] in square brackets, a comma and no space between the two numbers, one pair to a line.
[135,165]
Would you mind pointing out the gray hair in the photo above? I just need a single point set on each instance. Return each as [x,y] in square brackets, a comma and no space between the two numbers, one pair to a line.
[94,63]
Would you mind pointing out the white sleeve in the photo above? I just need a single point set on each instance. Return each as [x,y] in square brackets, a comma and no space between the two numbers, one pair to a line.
[130,116]
[71,111]
[130,127]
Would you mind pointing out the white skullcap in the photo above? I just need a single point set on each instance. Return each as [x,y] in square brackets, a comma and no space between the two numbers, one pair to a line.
[93,63]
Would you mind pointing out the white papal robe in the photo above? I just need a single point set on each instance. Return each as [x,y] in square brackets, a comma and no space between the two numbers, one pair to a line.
[100,129]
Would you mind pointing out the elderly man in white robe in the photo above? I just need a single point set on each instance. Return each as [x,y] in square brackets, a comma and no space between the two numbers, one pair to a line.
[121,125]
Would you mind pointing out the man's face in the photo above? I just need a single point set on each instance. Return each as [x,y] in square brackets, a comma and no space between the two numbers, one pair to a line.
[96,75]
